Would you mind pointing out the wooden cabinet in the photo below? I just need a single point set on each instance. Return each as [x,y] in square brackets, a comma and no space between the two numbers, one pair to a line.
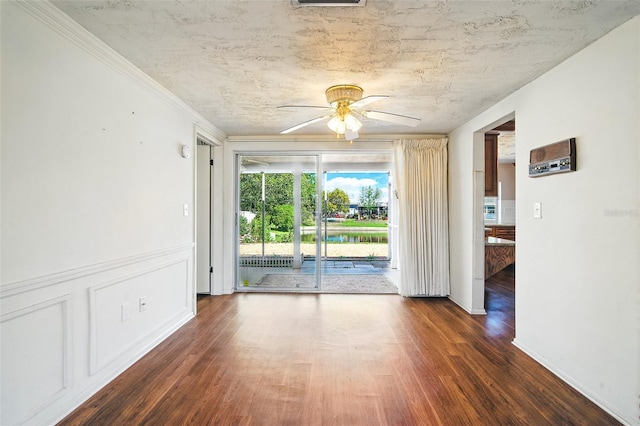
[501,231]
[497,257]
[506,232]
[491,165]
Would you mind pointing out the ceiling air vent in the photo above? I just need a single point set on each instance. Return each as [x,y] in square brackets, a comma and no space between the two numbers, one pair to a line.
[328,2]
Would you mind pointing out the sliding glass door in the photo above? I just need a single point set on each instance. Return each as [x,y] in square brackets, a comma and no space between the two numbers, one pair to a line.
[312,222]
[277,209]
[356,206]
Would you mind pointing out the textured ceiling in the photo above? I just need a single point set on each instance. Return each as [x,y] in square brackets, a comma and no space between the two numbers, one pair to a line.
[441,61]
[507,147]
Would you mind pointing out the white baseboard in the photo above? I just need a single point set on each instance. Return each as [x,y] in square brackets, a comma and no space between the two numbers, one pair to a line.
[472,311]
[56,416]
[72,290]
[568,380]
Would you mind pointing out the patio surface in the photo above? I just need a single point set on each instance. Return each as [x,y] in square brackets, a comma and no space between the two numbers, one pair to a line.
[253,275]
[333,250]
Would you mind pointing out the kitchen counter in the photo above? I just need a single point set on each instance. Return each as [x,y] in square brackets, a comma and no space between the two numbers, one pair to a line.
[493,241]
[490,223]
[498,254]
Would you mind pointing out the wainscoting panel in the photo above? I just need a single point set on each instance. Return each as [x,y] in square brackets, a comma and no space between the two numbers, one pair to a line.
[65,336]
[125,311]
[30,382]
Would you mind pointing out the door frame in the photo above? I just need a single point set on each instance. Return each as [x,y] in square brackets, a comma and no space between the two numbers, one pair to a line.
[204,181]
[477,283]
[288,144]
[216,216]
[236,205]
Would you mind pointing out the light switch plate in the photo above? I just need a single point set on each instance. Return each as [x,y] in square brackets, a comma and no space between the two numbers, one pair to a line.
[185,209]
[537,210]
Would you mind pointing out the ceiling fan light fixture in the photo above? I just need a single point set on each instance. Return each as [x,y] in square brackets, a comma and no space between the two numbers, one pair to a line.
[343,124]
[337,125]
[343,93]
[352,123]
[346,103]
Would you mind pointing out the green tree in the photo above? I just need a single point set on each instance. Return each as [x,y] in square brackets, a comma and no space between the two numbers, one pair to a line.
[282,217]
[278,192]
[256,228]
[245,230]
[250,192]
[308,195]
[337,202]
[369,197]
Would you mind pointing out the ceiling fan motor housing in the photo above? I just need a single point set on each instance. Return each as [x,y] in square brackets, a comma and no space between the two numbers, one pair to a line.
[343,94]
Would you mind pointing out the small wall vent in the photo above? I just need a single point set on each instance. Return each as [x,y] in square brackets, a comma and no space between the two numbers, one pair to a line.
[343,3]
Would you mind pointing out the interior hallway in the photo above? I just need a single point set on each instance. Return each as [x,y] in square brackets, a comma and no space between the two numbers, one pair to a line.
[341,359]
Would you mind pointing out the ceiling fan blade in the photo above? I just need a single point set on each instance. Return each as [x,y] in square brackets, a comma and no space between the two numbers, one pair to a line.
[304,106]
[351,134]
[251,161]
[367,100]
[392,118]
[301,125]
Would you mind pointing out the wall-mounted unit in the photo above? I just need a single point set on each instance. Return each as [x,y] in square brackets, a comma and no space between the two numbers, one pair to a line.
[559,157]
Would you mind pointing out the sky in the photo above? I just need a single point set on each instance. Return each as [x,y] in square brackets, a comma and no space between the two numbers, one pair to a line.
[352,182]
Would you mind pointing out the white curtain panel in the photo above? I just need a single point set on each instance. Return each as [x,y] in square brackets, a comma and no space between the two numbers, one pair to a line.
[421,185]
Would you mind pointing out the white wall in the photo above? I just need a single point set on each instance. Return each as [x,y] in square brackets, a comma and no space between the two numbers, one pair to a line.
[577,275]
[93,187]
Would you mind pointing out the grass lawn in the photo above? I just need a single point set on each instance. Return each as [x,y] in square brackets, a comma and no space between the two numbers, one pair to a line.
[364,223]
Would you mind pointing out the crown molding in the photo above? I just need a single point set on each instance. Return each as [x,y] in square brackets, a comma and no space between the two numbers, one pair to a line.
[205,134]
[63,25]
[332,138]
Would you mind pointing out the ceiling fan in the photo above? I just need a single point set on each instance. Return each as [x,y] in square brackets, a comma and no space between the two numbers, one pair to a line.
[345,105]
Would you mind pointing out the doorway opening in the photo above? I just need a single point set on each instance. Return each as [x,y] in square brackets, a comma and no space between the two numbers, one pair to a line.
[204,184]
[499,204]
[316,223]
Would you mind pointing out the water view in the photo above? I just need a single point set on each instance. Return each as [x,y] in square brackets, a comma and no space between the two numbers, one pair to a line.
[342,237]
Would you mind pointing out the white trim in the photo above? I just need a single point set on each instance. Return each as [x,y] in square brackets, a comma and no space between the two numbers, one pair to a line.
[566,378]
[47,280]
[62,24]
[472,312]
[330,138]
[80,398]
[94,365]
[211,138]
[64,301]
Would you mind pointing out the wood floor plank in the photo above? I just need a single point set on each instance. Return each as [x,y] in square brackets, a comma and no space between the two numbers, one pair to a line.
[331,359]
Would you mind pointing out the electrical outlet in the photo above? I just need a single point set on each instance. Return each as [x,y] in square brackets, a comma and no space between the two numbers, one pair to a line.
[125,312]
[143,303]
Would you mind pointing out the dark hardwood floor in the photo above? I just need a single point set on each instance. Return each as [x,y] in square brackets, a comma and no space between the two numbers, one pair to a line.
[330,359]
